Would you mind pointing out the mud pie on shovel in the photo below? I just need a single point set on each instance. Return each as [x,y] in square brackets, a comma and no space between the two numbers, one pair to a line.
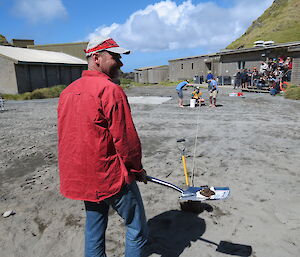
[206,192]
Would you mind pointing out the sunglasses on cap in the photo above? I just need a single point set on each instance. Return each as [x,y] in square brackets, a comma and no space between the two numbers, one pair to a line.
[114,55]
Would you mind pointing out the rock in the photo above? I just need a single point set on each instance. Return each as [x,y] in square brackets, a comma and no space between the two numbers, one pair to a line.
[8,213]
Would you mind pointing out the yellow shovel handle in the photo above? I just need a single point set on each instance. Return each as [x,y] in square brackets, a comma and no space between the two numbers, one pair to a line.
[185,170]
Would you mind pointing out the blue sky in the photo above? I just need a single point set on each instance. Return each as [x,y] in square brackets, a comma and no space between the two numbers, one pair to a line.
[155,31]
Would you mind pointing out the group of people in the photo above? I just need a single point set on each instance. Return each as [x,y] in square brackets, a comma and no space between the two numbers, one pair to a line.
[270,75]
[197,95]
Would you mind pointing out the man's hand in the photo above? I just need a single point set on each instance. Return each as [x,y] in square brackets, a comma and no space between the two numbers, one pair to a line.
[141,176]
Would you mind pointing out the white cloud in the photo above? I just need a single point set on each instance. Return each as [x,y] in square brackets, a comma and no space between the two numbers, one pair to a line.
[168,26]
[39,10]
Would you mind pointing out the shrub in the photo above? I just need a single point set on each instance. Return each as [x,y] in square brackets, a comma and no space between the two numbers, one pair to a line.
[40,93]
[292,92]
[125,81]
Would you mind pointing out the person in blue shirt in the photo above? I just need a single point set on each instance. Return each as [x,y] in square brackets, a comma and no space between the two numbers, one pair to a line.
[213,92]
[179,89]
[209,76]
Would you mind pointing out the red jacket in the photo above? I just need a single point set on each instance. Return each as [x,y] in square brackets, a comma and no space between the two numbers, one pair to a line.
[98,147]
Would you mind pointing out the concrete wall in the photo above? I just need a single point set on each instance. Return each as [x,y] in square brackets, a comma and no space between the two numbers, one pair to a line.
[136,76]
[8,82]
[183,69]
[158,75]
[152,74]
[74,49]
[230,63]
[188,68]
[141,76]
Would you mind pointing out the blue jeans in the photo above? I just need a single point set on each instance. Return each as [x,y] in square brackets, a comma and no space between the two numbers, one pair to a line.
[129,205]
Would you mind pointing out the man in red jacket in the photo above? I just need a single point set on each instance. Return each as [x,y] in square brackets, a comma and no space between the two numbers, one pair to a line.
[99,150]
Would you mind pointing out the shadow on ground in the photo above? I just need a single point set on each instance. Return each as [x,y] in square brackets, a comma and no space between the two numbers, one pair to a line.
[173,231]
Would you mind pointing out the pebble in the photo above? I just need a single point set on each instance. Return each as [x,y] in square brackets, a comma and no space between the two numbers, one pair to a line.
[8,213]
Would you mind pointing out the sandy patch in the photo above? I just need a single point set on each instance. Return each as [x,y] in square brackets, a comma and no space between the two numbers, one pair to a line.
[250,144]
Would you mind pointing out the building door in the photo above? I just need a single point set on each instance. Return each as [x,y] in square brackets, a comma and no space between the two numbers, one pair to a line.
[208,66]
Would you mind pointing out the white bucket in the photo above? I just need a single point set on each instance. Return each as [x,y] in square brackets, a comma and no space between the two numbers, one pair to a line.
[192,103]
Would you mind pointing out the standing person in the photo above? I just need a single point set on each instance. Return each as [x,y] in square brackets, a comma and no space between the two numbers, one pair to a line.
[179,89]
[209,76]
[244,78]
[238,79]
[263,68]
[213,93]
[254,77]
[1,103]
[99,151]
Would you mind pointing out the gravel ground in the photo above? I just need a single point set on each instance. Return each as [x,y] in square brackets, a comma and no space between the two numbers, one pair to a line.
[250,144]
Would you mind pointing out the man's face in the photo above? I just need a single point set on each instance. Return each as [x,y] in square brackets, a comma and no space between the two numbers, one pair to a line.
[110,63]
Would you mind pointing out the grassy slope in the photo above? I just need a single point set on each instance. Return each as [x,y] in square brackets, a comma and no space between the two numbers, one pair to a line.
[2,40]
[280,23]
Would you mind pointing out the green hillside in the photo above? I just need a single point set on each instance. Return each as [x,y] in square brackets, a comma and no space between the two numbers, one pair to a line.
[280,23]
[3,40]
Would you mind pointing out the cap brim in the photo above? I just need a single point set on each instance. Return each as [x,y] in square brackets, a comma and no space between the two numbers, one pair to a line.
[118,50]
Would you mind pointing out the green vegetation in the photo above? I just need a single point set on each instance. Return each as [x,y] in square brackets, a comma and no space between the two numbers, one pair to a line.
[3,40]
[280,23]
[40,93]
[128,83]
[125,81]
[292,92]
[53,92]
[170,84]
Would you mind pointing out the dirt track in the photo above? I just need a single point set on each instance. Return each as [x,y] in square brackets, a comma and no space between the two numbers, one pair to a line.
[250,144]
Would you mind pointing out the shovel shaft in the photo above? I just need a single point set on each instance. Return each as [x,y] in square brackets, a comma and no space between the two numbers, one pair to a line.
[185,170]
[164,183]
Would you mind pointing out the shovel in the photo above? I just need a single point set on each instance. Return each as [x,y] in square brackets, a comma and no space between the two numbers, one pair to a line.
[195,193]
[231,248]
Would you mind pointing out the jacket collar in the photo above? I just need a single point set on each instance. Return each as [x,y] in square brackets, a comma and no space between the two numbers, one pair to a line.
[94,73]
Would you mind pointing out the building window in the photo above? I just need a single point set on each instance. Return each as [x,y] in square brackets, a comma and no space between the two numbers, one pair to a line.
[241,64]
[182,66]
[192,66]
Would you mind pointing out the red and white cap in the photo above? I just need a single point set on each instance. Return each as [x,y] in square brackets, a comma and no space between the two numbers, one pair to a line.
[104,44]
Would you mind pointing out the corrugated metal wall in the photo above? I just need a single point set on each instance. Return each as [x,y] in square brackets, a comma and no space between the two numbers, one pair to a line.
[296,70]
[34,76]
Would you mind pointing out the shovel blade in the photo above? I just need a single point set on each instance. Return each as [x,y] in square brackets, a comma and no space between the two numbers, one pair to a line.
[193,194]
[234,249]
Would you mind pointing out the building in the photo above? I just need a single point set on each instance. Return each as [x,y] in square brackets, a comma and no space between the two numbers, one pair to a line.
[154,74]
[224,64]
[295,53]
[247,58]
[190,67]
[22,42]
[74,49]
[24,70]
